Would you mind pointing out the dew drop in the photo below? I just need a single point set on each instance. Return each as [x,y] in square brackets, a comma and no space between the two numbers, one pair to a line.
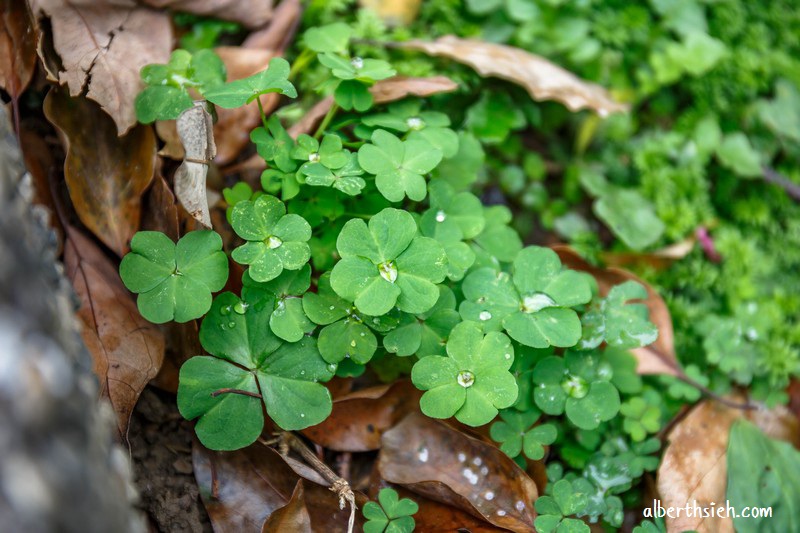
[485,315]
[520,505]
[440,216]
[477,461]
[501,512]
[353,343]
[507,356]
[241,307]
[357,63]
[363,334]
[231,324]
[484,470]
[302,415]
[313,157]
[462,457]
[465,378]
[225,311]
[332,307]
[423,455]
[489,496]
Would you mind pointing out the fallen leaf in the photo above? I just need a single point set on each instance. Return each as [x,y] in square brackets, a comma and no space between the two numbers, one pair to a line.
[126,349]
[394,12]
[241,489]
[432,459]
[694,466]
[197,136]
[291,517]
[102,46]
[435,516]
[106,175]
[656,358]
[233,127]
[658,260]
[249,13]
[542,79]
[160,211]
[360,418]
[278,33]
[17,48]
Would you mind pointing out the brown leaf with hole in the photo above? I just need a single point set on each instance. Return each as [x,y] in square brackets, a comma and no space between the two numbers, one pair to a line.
[694,465]
[241,489]
[17,48]
[360,418]
[102,47]
[394,12]
[197,136]
[291,517]
[249,13]
[106,175]
[542,79]
[657,358]
[233,127]
[430,458]
[127,350]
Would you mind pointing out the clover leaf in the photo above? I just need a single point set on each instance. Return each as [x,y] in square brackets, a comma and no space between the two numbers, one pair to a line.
[498,242]
[288,320]
[330,38]
[346,178]
[578,384]
[429,126]
[517,433]
[533,305]
[385,264]
[398,165]
[425,333]
[166,95]
[553,510]
[619,324]
[392,515]
[240,92]
[473,381]
[174,282]
[353,94]
[329,153]
[275,240]
[345,335]
[249,365]
[275,145]
[240,192]
[356,68]
[640,418]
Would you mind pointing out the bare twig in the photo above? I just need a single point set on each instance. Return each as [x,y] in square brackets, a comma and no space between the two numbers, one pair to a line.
[776,178]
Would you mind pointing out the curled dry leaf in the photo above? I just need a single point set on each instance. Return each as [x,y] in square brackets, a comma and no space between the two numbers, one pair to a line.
[233,127]
[542,79]
[126,349]
[106,175]
[197,136]
[249,13]
[102,46]
[17,48]
[360,418]
[694,466]
[656,358]
[241,489]
[291,517]
[432,459]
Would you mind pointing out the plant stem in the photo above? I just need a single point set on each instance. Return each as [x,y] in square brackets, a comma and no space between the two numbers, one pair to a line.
[747,406]
[776,178]
[235,391]
[326,120]
[302,60]
[261,112]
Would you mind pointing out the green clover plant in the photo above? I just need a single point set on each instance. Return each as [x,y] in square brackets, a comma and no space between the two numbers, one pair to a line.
[554,508]
[517,433]
[391,514]
[619,324]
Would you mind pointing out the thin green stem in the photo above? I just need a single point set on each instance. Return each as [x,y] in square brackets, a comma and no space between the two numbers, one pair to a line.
[302,60]
[261,112]
[326,120]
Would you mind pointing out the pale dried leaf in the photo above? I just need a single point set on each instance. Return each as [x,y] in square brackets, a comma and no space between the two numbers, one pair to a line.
[542,79]
[102,46]
[694,466]
[197,135]
[249,13]
[126,349]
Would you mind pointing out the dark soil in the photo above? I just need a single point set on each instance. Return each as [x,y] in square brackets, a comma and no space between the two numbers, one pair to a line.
[161,448]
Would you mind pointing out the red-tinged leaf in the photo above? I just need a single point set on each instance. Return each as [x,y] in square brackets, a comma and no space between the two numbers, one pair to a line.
[17,47]
[291,517]
[242,489]
[432,459]
[656,358]
[694,466]
[106,175]
[360,418]
[102,46]
[126,349]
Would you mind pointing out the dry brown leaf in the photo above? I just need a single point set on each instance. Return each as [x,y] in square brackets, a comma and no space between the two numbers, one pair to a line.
[167,131]
[126,349]
[249,13]
[102,45]
[359,419]
[17,48]
[233,127]
[430,458]
[291,517]
[197,136]
[160,210]
[394,12]
[694,466]
[277,35]
[106,175]
[542,79]
[657,358]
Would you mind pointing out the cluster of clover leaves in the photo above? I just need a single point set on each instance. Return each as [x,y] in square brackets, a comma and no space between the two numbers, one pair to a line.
[342,272]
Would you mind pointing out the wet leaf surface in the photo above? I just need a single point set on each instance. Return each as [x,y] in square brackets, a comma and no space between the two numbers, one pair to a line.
[127,350]
[656,358]
[102,46]
[106,175]
[432,459]
[360,418]
[694,463]
[542,79]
